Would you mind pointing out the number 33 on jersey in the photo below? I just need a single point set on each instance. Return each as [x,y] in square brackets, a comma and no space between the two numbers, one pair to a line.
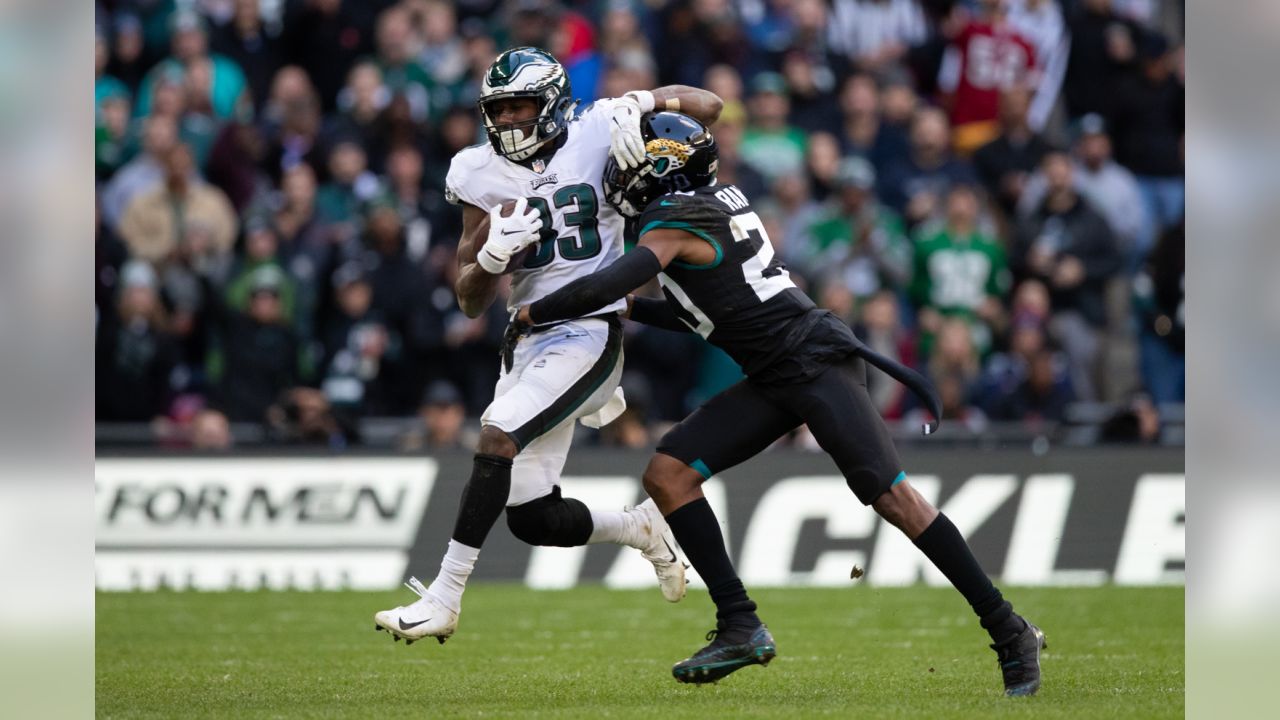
[581,233]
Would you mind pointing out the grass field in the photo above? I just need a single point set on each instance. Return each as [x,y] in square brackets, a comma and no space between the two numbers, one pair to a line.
[591,653]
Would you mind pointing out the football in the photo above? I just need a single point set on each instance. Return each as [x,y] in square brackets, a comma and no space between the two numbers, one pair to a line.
[517,260]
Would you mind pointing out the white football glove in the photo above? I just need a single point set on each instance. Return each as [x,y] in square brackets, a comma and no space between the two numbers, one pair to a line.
[626,142]
[508,236]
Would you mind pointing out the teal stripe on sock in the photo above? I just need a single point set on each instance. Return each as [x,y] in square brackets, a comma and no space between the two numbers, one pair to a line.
[901,476]
[701,467]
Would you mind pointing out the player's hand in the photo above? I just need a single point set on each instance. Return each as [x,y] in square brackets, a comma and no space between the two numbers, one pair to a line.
[508,236]
[522,315]
[516,329]
[626,142]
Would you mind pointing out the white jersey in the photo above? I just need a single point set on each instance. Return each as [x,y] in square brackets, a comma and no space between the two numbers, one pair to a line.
[581,232]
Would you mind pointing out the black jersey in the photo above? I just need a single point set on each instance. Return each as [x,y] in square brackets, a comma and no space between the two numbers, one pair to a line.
[744,301]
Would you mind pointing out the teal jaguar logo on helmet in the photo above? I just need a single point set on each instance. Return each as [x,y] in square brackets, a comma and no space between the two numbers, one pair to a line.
[526,72]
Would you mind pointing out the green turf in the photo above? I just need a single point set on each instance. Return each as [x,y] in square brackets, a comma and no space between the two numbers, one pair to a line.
[590,653]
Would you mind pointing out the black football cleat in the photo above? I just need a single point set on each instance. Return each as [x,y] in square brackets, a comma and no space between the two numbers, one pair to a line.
[730,649]
[1019,659]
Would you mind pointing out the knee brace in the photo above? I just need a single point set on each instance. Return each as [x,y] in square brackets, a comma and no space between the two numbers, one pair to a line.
[551,520]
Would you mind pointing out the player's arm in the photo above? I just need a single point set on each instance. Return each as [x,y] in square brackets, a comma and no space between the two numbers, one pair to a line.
[703,105]
[480,262]
[476,288]
[626,141]
[582,297]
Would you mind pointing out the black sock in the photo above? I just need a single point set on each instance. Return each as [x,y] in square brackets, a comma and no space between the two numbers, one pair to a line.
[698,532]
[945,547]
[483,499]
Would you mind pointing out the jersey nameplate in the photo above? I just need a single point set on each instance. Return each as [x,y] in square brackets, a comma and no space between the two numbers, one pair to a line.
[732,197]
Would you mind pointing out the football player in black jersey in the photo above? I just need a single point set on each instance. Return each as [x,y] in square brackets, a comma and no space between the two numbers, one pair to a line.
[720,279]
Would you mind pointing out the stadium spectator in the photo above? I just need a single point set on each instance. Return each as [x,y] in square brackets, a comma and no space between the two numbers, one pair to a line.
[1108,186]
[360,103]
[822,160]
[304,416]
[154,223]
[403,187]
[261,249]
[226,92]
[1138,421]
[361,349]
[159,135]
[442,53]
[812,93]
[1159,299]
[236,165]
[1150,121]
[1104,50]
[327,37]
[245,41]
[1042,397]
[1005,163]
[959,272]
[111,138]
[440,423]
[770,145]
[855,237]
[864,132]
[1070,248]
[258,355]
[880,326]
[705,33]
[729,131]
[986,57]
[127,62]
[296,139]
[792,202]
[210,430]
[874,34]
[1041,23]
[914,186]
[350,183]
[135,356]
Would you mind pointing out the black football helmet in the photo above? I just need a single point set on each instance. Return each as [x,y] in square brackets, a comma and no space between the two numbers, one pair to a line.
[680,154]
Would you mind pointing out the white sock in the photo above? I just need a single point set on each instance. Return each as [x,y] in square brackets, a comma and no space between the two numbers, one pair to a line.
[455,568]
[611,527]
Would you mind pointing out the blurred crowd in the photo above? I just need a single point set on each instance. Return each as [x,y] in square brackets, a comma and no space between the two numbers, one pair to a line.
[988,190]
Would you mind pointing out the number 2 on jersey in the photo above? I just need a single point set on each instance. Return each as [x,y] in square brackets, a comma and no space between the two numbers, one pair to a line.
[585,243]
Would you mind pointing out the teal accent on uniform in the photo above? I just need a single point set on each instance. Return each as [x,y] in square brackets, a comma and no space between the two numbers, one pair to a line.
[666,203]
[690,229]
[701,467]
[901,476]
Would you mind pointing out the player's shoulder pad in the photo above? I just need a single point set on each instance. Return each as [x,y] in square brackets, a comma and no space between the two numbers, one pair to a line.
[465,170]
[694,211]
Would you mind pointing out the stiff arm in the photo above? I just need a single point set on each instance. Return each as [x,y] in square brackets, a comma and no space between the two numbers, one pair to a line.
[584,296]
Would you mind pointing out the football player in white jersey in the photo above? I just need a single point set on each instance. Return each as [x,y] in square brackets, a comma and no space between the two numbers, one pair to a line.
[550,160]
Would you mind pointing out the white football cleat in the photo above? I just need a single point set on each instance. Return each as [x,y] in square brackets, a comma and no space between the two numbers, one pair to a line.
[424,618]
[658,546]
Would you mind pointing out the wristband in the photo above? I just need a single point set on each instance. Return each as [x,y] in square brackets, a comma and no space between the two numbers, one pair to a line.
[489,263]
[644,99]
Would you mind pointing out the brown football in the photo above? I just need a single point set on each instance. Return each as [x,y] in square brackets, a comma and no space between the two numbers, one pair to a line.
[517,261]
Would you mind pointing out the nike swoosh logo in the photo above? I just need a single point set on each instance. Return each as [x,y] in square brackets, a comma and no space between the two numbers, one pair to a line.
[513,232]
[664,203]
[409,626]
[671,550]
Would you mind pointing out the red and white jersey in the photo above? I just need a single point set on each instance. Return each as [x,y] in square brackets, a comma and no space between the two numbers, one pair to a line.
[982,61]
